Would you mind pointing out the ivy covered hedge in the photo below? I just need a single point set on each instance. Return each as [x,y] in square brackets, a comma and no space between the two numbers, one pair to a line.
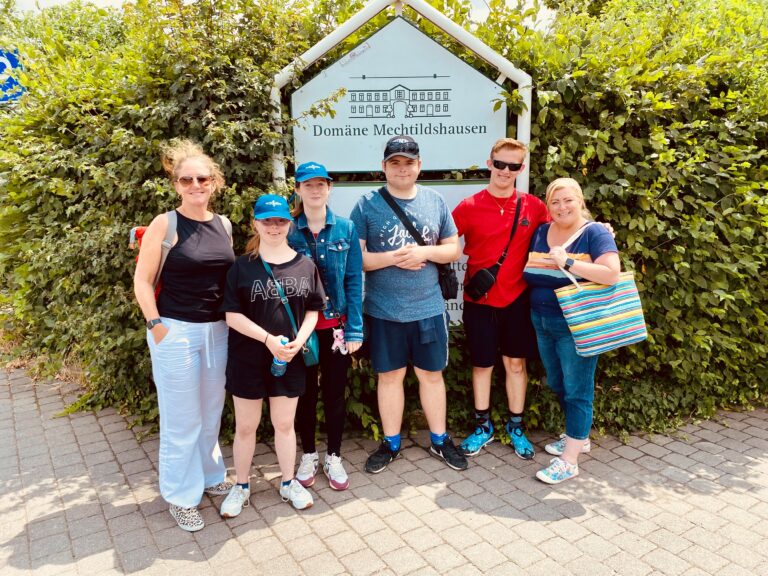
[660,109]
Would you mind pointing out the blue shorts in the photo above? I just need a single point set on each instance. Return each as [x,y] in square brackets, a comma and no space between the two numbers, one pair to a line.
[423,343]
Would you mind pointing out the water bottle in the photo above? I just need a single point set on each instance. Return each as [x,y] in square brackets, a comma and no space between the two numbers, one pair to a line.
[278,366]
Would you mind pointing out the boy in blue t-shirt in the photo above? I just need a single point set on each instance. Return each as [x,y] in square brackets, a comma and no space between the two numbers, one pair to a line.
[403,303]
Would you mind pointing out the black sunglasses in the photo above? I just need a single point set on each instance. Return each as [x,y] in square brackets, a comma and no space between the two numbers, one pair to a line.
[188,180]
[513,166]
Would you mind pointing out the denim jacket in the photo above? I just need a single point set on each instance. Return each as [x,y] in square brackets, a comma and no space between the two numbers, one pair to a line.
[340,262]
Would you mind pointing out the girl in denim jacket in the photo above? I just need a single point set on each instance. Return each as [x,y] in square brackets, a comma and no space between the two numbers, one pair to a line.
[332,243]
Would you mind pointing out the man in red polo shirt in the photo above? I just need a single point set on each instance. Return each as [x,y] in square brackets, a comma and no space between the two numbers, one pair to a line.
[501,319]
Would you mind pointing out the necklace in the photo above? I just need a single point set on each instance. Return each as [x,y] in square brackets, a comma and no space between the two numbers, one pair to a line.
[501,206]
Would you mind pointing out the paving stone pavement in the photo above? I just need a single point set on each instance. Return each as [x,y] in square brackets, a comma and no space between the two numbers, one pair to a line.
[79,496]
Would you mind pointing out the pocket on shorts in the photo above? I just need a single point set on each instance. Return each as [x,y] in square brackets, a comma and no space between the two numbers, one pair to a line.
[427,331]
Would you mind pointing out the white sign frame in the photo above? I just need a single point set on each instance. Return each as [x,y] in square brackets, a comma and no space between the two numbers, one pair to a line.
[505,67]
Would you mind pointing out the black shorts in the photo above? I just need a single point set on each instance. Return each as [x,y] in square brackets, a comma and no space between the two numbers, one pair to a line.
[252,379]
[492,330]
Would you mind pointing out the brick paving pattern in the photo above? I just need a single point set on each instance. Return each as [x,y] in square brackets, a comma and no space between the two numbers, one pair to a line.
[79,496]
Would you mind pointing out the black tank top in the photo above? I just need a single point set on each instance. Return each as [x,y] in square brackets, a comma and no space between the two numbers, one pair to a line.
[195,271]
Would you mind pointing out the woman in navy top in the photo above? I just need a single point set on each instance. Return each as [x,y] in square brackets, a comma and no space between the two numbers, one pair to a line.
[592,256]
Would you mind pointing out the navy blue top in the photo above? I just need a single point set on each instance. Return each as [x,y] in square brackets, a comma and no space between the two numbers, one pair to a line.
[544,276]
[195,271]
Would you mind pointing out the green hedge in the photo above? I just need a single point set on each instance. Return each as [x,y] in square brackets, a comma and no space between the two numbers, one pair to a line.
[660,109]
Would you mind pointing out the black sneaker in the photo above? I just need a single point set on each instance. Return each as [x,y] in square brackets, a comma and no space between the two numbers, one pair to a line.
[452,456]
[380,459]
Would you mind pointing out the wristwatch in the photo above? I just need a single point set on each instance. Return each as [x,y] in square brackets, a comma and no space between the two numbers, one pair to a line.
[568,263]
[154,322]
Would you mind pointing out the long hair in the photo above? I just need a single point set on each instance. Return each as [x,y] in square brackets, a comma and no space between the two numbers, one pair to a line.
[298,205]
[178,151]
[570,183]
[252,248]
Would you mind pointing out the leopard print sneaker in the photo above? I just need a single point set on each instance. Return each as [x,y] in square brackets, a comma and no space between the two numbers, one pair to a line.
[188,519]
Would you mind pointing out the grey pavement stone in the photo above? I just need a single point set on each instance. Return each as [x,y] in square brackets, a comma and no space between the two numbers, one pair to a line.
[80,497]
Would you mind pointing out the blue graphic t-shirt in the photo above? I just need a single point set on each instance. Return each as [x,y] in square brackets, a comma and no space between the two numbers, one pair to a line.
[543,275]
[393,293]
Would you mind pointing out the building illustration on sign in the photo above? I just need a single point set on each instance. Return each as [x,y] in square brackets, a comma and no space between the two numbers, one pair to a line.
[399,102]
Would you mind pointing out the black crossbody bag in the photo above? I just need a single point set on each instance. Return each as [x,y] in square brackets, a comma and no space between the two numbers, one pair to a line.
[446,276]
[484,279]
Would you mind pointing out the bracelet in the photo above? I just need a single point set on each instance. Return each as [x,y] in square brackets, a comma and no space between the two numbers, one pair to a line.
[265,339]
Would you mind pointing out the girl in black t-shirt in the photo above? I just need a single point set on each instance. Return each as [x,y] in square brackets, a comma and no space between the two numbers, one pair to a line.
[258,323]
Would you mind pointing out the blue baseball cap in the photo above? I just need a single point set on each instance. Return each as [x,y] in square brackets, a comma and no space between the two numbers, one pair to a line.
[271,206]
[310,170]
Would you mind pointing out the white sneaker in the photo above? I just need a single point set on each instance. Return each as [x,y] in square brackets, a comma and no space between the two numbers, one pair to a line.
[558,447]
[307,469]
[297,495]
[236,500]
[334,470]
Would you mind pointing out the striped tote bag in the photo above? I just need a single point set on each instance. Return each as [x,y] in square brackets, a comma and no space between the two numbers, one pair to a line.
[602,317]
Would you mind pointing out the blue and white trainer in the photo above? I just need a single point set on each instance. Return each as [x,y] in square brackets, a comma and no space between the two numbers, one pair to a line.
[523,447]
[558,471]
[473,443]
[557,447]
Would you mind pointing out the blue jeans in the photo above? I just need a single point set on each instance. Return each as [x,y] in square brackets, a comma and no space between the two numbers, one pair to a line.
[188,367]
[570,376]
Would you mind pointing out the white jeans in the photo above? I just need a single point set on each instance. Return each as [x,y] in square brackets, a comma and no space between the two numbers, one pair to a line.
[189,368]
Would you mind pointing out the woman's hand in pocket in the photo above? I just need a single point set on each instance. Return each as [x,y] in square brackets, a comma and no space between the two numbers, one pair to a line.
[159,332]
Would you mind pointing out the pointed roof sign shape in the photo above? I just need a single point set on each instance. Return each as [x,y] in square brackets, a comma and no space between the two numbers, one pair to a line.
[471,42]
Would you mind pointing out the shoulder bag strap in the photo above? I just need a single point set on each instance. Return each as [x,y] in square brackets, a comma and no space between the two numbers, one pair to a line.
[165,247]
[227,225]
[514,229]
[401,215]
[575,236]
[282,295]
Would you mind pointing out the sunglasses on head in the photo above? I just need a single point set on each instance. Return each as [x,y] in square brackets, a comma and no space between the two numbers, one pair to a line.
[189,180]
[513,166]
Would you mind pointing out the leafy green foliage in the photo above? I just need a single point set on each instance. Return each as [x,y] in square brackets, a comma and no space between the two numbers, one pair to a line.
[660,109]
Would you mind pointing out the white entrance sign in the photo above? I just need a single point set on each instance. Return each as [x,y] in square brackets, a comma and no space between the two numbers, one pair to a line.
[344,197]
[399,81]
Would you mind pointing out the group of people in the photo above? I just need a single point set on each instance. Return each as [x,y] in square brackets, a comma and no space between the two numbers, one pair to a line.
[220,323]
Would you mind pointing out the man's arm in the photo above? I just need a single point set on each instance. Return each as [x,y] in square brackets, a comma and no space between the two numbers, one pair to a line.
[414,257]
[376,260]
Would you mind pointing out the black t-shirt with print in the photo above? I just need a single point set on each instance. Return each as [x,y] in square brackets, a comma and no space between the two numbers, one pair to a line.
[251,292]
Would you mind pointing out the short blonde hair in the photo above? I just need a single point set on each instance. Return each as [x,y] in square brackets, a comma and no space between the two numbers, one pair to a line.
[509,143]
[561,183]
[178,151]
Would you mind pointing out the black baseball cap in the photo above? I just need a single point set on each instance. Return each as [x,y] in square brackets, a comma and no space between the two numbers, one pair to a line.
[401,146]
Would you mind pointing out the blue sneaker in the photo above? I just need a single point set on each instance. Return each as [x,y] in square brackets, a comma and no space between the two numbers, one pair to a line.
[474,442]
[523,447]
[558,471]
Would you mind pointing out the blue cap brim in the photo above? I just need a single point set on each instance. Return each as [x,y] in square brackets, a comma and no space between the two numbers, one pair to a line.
[266,215]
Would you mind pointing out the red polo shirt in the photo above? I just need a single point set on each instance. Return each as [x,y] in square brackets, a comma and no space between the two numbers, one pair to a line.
[486,234]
